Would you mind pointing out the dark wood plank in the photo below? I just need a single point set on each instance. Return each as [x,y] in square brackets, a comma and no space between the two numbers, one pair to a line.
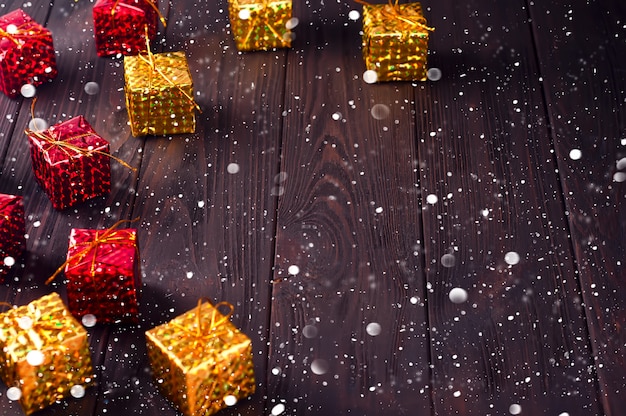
[348,219]
[581,50]
[519,344]
[205,231]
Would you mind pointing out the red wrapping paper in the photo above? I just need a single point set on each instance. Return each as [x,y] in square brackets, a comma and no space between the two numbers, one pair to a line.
[73,172]
[26,53]
[103,274]
[119,25]
[12,231]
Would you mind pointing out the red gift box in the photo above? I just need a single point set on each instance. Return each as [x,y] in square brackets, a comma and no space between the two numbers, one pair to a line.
[26,53]
[12,231]
[71,162]
[119,25]
[102,269]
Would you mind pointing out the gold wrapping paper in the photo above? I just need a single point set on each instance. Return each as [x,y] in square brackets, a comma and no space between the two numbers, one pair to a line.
[199,358]
[159,94]
[44,351]
[260,24]
[395,41]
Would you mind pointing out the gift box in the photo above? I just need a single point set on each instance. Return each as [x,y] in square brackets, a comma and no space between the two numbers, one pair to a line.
[199,358]
[26,53]
[395,41]
[12,231]
[70,162]
[44,352]
[260,24]
[118,25]
[159,94]
[103,277]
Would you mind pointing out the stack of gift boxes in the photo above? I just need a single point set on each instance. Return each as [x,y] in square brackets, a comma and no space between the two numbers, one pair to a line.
[198,358]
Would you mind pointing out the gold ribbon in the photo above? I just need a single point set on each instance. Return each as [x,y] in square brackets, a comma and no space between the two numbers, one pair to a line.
[9,36]
[106,237]
[152,64]
[36,31]
[263,18]
[151,4]
[397,13]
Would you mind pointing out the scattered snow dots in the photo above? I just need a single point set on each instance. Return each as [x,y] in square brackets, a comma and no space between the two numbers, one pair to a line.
[293,270]
[89,320]
[37,124]
[457,394]
[244,14]
[458,295]
[232,168]
[77,391]
[511,258]
[189,275]
[621,164]
[11,29]
[14,393]
[413,300]
[200,204]
[575,154]
[515,409]
[25,322]
[433,74]
[92,88]
[379,210]
[370,76]
[432,199]
[373,329]
[354,15]
[319,366]
[292,23]
[37,224]
[9,261]
[278,409]
[336,116]
[309,331]
[380,111]
[448,260]
[619,177]
[35,358]
[230,400]
[564,414]
[28,90]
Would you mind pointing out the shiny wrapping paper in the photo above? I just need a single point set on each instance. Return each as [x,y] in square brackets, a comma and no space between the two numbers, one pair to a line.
[395,41]
[199,358]
[159,94]
[260,24]
[44,352]
[103,278]
[70,162]
[26,53]
[12,230]
[118,25]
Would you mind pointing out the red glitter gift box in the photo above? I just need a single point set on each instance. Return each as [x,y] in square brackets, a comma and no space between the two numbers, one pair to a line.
[102,270]
[26,53]
[71,162]
[119,25]
[12,231]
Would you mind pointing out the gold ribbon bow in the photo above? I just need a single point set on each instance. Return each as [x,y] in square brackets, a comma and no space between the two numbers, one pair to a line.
[106,237]
[151,4]
[394,11]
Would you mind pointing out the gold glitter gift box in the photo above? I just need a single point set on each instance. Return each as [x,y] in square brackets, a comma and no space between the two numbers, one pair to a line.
[159,94]
[395,41]
[201,361]
[260,24]
[44,352]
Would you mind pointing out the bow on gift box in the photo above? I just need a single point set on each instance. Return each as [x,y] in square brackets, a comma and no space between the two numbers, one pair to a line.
[108,236]
[394,10]
[151,4]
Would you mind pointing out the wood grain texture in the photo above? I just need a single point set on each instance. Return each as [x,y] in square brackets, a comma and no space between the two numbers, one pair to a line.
[583,73]
[485,155]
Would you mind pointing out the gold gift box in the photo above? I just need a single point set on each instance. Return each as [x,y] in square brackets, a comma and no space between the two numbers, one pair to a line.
[159,94]
[259,24]
[395,41]
[201,361]
[44,352]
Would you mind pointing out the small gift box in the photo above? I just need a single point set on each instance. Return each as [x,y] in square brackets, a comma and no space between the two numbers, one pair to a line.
[201,361]
[12,231]
[44,352]
[103,277]
[260,24]
[159,94]
[70,162]
[395,41]
[26,53]
[118,25]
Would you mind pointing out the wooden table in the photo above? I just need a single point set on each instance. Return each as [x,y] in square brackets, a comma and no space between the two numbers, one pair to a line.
[501,179]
